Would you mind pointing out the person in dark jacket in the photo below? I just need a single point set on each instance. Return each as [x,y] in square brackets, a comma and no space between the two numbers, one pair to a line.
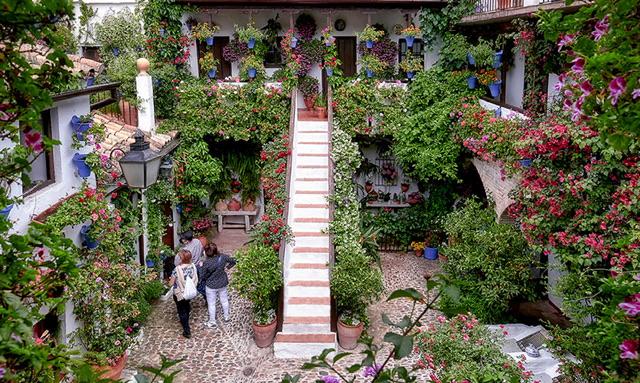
[214,273]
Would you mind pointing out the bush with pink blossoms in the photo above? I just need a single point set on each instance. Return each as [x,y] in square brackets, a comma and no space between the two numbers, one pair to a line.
[461,349]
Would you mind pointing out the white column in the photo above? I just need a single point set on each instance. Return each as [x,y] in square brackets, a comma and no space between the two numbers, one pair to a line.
[144,89]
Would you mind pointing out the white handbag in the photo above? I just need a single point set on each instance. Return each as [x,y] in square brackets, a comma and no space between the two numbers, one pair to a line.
[190,290]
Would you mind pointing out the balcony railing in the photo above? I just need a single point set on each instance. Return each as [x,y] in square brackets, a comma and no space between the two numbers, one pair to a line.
[487,6]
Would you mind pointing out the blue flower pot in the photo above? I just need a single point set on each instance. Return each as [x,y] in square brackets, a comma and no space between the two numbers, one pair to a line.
[212,73]
[498,112]
[294,42]
[252,72]
[369,44]
[472,82]
[369,73]
[470,58]
[494,88]
[79,160]
[116,51]
[150,263]
[5,211]
[87,241]
[80,127]
[431,253]
[410,40]
[497,60]
[91,81]
[410,75]
[179,208]
[328,43]
[525,163]
[251,43]
[329,71]
[162,32]
[209,40]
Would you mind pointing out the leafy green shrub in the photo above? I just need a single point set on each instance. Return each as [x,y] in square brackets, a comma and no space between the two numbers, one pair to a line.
[197,171]
[453,54]
[165,77]
[489,262]
[123,69]
[258,278]
[122,30]
[463,350]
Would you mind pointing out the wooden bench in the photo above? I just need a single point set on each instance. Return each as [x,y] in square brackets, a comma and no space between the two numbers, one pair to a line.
[239,213]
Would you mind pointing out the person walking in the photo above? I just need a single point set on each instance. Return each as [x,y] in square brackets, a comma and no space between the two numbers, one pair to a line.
[194,246]
[216,281]
[186,269]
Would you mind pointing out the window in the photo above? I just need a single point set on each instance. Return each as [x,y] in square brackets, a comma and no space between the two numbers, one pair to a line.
[417,50]
[42,172]
[91,53]
[273,57]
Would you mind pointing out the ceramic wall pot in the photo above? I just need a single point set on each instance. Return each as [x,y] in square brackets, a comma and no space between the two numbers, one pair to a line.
[310,102]
[209,40]
[79,160]
[234,205]
[221,206]
[264,335]
[329,71]
[348,335]
[112,372]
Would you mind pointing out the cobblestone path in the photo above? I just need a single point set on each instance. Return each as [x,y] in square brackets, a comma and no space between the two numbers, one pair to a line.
[228,354]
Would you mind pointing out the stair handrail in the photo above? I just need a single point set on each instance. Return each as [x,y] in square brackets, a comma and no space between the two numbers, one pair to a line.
[292,123]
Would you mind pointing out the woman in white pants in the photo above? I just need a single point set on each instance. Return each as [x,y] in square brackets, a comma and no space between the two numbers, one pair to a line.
[214,272]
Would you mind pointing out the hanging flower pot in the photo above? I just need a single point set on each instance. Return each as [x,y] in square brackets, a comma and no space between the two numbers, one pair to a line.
[150,263]
[369,73]
[251,43]
[472,82]
[80,127]
[470,58]
[410,75]
[6,210]
[526,162]
[431,253]
[251,72]
[162,32]
[212,73]
[369,44]
[329,71]
[410,40]
[116,51]
[494,88]
[294,42]
[79,160]
[497,60]
[210,40]
[87,241]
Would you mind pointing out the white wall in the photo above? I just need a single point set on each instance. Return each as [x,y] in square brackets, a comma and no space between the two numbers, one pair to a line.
[103,8]
[515,80]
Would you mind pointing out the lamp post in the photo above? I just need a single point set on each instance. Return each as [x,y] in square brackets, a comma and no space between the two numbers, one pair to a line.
[140,167]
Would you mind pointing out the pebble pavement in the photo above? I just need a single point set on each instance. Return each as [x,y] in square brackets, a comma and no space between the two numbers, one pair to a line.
[227,354]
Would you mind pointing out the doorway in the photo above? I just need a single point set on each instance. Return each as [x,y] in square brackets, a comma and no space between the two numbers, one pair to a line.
[224,67]
[347,54]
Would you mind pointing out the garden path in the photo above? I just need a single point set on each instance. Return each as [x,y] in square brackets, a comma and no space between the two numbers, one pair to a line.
[229,355]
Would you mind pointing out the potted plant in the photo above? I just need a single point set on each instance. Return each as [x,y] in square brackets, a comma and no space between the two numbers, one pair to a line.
[372,65]
[249,204]
[432,240]
[261,288]
[327,38]
[388,172]
[486,76]
[482,54]
[411,64]
[410,33]
[404,186]
[308,86]
[209,64]
[81,124]
[252,65]
[418,248]
[80,162]
[249,34]
[321,107]
[234,205]
[205,32]
[370,35]
[354,284]
[415,198]
[495,88]
[472,80]
[368,186]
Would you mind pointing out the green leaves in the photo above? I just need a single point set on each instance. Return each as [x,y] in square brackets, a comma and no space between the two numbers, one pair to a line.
[403,344]
[409,293]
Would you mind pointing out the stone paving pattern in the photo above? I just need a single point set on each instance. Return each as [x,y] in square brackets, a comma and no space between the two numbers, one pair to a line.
[228,354]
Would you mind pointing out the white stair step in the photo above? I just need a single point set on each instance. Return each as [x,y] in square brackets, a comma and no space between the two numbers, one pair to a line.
[302,184]
[311,241]
[306,291]
[311,125]
[319,258]
[309,226]
[312,148]
[302,346]
[306,328]
[311,160]
[310,137]
[320,213]
[308,275]
[308,198]
[310,173]
[307,310]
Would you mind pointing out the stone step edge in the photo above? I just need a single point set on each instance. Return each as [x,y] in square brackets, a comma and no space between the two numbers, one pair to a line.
[305,338]
[288,319]
[306,266]
[311,220]
[310,234]
[308,179]
[311,206]
[309,301]
[302,249]
[305,283]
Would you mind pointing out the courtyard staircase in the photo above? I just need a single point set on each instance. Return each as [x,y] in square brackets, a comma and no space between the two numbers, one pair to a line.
[306,329]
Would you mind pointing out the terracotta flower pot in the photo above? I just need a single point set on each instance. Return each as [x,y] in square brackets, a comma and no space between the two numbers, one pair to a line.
[419,253]
[322,112]
[221,206]
[404,187]
[249,205]
[112,372]
[368,187]
[129,113]
[348,335]
[234,205]
[310,102]
[264,335]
